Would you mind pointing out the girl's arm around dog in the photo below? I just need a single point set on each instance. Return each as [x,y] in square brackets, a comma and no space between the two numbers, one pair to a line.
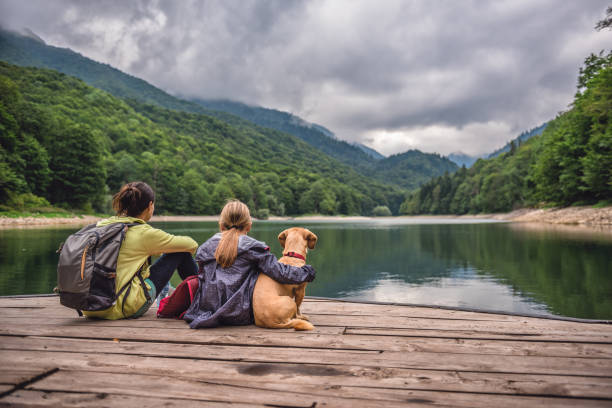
[268,264]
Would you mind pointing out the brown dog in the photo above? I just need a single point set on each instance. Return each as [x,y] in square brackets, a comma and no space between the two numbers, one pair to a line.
[274,306]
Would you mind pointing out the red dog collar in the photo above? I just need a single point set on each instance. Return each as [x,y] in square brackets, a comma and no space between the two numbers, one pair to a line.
[295,255]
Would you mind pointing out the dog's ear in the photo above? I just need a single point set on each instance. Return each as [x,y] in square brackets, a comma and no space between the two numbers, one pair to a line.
[282,237]
[312,240]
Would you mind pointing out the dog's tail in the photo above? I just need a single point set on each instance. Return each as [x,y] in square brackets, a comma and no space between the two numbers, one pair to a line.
[297,324]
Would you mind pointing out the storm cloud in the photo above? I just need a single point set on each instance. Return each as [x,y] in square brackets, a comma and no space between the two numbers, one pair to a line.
[439,76]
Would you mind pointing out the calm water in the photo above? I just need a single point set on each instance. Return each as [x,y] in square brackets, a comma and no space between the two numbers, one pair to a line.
[491,266]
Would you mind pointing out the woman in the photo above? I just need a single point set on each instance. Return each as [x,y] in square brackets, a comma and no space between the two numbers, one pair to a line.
[229,264]
[135,204]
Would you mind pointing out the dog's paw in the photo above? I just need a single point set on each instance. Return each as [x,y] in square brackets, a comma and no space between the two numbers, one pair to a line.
[303,317]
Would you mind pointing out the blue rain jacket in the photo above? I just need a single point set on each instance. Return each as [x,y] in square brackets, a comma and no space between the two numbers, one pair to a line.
[225,295]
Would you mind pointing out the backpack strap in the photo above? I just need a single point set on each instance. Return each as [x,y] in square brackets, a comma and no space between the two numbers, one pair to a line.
[128,286]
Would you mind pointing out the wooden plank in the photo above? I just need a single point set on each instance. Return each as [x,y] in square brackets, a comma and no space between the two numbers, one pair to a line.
[166,324]
[471,379]
[476,347]
[432,312]
[184,388]
[356,339]
[239,353]
[417,379]
[13,376]
[315,307]
[280,393]
[29,398]
[518,327]
[553,336]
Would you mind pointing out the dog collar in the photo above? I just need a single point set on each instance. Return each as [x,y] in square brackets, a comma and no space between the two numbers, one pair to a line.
[295,255]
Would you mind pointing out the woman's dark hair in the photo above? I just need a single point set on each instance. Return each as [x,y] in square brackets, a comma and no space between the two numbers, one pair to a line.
[133,199]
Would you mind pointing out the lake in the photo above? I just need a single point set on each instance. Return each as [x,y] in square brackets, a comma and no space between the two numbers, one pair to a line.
[517,268]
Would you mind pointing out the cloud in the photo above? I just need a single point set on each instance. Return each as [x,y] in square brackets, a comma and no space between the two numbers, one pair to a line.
[416,74]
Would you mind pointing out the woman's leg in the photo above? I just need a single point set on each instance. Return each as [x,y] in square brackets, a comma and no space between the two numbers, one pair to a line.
[161,271]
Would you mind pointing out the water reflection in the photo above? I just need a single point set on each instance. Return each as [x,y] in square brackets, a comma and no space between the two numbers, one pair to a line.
[493,266]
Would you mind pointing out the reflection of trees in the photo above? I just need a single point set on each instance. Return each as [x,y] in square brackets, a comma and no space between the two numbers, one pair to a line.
[28,262]
[571,276]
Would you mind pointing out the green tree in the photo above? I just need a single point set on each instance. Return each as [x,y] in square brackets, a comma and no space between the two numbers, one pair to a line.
[77,169]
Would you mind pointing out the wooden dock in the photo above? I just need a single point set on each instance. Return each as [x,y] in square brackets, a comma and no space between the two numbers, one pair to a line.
[360,355]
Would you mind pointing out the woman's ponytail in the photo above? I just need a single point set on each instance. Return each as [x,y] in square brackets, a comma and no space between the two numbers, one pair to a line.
[133,199]
[235,217]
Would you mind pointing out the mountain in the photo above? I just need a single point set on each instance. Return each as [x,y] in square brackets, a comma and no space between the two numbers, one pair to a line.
[520,139]
[416,166]
[72,144]
[462,159]
[407,170]
[315,135]
[31,51]
[369,151]
[28,51]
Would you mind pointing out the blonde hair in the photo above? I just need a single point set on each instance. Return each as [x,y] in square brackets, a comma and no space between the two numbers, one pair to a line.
[235,217]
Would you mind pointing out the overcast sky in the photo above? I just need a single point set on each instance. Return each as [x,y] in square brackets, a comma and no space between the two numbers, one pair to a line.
[439,76]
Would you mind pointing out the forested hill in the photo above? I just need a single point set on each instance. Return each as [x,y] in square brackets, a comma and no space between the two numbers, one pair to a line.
[31,52]
[27,51]
[314,135]
[569,163]
[407,170]
[73,145]
[421,166]
[519,140]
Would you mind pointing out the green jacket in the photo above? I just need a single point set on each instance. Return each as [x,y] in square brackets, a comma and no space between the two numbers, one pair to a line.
[141,241]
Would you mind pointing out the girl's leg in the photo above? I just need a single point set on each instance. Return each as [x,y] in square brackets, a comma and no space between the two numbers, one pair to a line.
[161,271]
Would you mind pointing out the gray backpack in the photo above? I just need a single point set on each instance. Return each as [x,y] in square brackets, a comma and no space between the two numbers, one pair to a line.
[87,267]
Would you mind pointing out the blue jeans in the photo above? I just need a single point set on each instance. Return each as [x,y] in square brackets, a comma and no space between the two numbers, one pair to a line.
[161,271]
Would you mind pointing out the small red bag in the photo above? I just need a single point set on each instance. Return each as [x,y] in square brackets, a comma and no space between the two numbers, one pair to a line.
[175,305]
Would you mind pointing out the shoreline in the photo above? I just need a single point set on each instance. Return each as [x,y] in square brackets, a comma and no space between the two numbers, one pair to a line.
[578,216]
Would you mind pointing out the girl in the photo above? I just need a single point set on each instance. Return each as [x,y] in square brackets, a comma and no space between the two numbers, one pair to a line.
[229,264]
[134,204]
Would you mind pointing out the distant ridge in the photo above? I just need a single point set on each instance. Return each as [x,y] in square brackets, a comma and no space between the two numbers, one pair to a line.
[30,50]
[369,151]
[462,159]
[523,137]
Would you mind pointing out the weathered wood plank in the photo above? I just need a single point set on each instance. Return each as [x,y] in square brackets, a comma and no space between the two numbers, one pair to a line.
[166,324]
[518,327]
[476,347]
[13,376]
[5,387]
[552,336]
[29,398]
[315,306]
[479,378]
[349,362]
[280,393]
[358,339]
[186,389]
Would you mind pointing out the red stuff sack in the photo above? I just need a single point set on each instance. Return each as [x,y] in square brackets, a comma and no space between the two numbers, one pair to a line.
[175,305]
